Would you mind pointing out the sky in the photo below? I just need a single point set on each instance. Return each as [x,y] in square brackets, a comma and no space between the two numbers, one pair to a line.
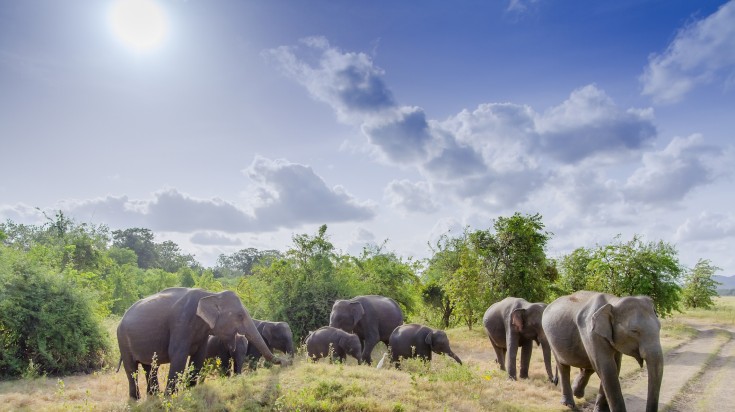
[224,125]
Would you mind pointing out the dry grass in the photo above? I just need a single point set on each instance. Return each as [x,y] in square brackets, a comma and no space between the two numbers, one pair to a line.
[443,385]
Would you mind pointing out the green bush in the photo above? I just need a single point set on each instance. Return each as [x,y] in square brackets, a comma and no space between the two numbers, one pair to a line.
[46,323]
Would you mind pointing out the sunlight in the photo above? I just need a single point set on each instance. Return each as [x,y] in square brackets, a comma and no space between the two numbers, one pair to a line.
[141,25]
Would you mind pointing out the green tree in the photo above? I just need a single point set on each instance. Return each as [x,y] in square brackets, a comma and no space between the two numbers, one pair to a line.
[301,287]
[383,273]
[638,268]
[514,257]
[573,270]
[699,287]
[170,258]
[140,241]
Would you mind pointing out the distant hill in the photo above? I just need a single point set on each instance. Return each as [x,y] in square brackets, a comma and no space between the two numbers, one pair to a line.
[727,288]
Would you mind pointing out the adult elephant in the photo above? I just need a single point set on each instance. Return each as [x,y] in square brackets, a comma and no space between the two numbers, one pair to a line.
[216,348]
[276,335]
[329,341]
[413,340]
[372,318]
[175,324]
[592,331]
[513,323]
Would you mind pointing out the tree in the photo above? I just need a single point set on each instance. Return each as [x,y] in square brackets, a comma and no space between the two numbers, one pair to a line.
[514,257]
[699,287]
[170,258]
[638,268]
[242,262]
[301,287]
[574,272]
[140,241]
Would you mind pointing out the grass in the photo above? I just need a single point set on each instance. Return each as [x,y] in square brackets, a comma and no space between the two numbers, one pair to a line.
[476,385]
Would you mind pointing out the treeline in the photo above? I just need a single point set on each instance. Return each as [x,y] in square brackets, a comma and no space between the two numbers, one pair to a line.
[59,280]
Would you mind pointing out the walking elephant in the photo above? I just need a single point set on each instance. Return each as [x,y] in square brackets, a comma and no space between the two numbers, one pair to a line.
[372,318]
[276,335]
[513,323]
[592,331]
[413,340]
[329,341]
[175,324]
[216,348]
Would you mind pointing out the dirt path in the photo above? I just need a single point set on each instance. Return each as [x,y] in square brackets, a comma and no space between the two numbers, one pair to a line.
[681,366]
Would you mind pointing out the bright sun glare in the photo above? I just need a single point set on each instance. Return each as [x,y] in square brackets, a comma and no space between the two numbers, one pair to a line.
[141,25]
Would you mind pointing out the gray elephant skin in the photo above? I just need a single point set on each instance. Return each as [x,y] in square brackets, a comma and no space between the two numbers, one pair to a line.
[513,323]
[175,324]
[329,341]
[276,335]
[592,331]
[371,317]
[413,340]
[216,348]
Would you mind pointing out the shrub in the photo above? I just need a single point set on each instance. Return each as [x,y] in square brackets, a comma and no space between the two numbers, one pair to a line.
[46,324]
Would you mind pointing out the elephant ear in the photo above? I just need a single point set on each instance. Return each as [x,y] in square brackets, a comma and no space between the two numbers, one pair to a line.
[208,310]
[518,319]
[357,311]
[602,322]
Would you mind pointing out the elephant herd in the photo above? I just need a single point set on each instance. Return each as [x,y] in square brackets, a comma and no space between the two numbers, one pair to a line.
[586,330]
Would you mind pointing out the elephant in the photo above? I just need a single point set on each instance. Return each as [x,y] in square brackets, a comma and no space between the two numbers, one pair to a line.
[276,335]
[414,340]
[320,342]
[513,323]
[371,317]
[175,324]
[216,348]
[592,331]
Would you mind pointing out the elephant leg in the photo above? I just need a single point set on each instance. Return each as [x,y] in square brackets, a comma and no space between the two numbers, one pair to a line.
[131,369]
[368,350]
[566,387]
[178,366]
[610,396]
[500,356]
[580,382]
[151,378]
[526,350]
[197,362]
[511,353]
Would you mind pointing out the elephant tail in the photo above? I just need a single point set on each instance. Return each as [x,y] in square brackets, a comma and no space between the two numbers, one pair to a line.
[118,365]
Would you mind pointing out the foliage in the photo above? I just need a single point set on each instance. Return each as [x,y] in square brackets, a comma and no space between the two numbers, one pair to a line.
[47,323]
[637,268]
[380,272]
[242,262]
[301,287]
[573,270]
[699,287]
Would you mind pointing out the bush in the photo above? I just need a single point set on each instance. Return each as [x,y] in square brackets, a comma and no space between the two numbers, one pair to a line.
[46,323]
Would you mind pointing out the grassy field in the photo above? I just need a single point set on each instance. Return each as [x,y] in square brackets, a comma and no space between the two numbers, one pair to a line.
[442,385]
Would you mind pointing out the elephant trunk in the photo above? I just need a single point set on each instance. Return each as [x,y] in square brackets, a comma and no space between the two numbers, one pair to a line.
[546,350]
[655,365]
[455,357]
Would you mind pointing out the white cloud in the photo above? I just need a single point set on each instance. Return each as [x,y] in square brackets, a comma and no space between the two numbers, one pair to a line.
[589,123]
[669,175]
[403,135]
[410,197]
[213,239]
[701,53]
[706,226]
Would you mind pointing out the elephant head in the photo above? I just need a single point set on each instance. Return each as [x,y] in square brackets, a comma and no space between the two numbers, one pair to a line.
[278,335]
[631,326]
[345,315]
[527,323]
[352,346]
[439,343]
[226,318]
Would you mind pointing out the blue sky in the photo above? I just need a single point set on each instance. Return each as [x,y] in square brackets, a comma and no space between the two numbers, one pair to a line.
[248,122]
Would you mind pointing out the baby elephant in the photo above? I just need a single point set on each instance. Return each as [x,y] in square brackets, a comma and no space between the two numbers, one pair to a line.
[412,340]
[320,342]
[218,349]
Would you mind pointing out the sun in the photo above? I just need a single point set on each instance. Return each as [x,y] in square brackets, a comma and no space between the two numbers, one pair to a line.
[141,25]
